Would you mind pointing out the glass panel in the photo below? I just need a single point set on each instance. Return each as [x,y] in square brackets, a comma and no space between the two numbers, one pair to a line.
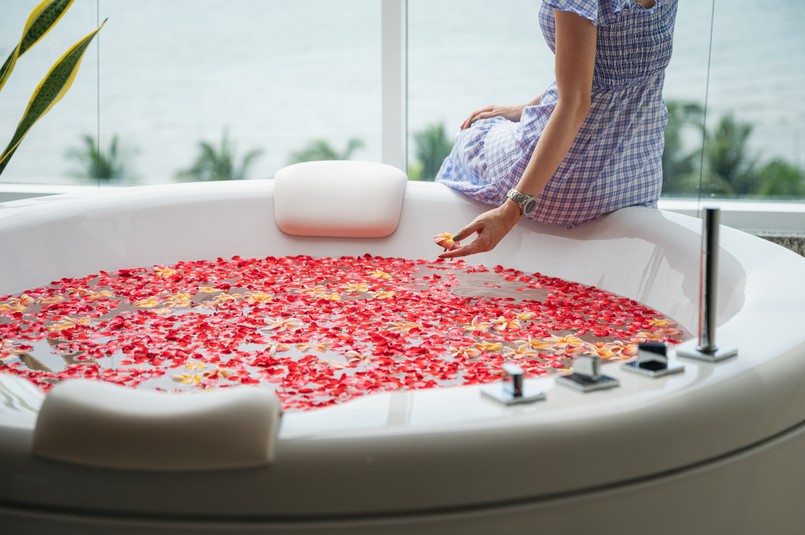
[43,155]
[756,113]
[239,88]
[464,55]
[685,95]
[213,89]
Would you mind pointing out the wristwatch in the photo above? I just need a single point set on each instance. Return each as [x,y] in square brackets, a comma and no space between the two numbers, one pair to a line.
[527,203]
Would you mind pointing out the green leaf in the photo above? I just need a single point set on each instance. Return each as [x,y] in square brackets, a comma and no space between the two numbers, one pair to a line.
[50,91]
[40,21]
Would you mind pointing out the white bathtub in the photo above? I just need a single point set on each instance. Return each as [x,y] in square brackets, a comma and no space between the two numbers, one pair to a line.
[715,449]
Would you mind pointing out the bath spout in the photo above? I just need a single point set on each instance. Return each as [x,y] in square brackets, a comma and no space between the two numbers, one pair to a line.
[706,348]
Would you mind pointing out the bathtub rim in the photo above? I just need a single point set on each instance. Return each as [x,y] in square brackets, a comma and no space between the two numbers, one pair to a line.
[720,389]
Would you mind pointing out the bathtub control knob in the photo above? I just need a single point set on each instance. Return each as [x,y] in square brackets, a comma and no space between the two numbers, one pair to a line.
[513,389]
[587,375]
[652,360]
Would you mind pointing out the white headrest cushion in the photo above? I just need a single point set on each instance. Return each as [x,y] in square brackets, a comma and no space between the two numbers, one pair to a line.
[339,198]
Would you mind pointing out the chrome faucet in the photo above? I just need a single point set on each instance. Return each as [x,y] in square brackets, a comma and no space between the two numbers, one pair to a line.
[706,348]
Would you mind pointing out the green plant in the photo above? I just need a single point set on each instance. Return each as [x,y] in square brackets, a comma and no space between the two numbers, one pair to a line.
[727,155]
[56,82]
[432,147]
[219,163]
[97,163]
[780,179]
[321,150]
[679,164]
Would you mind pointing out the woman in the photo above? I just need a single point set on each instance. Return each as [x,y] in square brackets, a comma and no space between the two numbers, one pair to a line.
[591,143]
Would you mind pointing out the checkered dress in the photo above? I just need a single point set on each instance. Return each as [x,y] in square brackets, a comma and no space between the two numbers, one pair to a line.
[616,158]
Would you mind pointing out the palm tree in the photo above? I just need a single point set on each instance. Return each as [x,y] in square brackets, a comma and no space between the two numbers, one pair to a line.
[219,163]
[679,166]
[726,155]
[96,163]
[781,179]
[320,149]
[432,147]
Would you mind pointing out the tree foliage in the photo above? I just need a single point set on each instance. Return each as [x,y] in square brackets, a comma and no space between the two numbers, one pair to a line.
[730,169]
[97,163]
[432,146]
[219,163]
[320,149]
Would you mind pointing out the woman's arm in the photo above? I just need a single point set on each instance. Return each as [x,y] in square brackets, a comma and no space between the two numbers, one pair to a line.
[511,113]
[575,59]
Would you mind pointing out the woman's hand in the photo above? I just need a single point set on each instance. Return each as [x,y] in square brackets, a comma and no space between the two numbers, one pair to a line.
[490,228]
[511,113]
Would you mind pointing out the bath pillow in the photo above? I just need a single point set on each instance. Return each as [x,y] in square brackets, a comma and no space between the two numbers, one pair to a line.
[339,198]
[102,424]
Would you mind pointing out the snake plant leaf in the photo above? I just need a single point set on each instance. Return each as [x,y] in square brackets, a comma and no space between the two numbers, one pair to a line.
[49,91]
[40,21]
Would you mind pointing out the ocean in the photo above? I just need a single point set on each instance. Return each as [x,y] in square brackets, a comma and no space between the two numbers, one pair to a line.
[278,74]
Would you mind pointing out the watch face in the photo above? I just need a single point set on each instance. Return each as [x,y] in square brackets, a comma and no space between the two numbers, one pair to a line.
[529,206]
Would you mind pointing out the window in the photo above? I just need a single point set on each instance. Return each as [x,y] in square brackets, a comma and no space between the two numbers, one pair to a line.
[193,90]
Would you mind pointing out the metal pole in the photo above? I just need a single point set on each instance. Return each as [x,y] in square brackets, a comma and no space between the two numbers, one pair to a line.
[706,349]
[708,286]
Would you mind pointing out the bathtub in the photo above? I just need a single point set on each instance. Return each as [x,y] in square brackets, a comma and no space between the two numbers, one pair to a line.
[717,448]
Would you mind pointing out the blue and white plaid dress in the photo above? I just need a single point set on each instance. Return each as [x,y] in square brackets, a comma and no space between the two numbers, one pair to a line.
[616,158]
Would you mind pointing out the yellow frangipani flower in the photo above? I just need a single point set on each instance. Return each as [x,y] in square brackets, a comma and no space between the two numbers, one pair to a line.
[80,292]
[273,349]
[50,300]
[467,352]
[356,287]
[446,240]
[647,337]
[17,304]
[188,378]
[503,324]
[476,326]
[522,350]
[541,344]
[379,274]
[661,322]
[181,300]
[258,297]
[330,297]
[309,346]
[525,316]
[208,290]
[68,323]
[103,294]
[195,366]
[488,346]
[165,271]
[403,327]
[224,297]
[150,302]
[283,324]
[313,291]
[568,341]
[217,373]
[353,356]
[385,294]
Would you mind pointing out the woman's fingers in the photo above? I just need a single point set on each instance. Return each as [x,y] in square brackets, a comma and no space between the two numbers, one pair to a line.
[483,113]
